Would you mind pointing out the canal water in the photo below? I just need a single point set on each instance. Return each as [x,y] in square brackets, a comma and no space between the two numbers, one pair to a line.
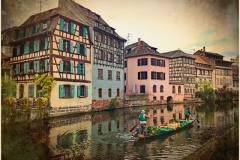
[106,135]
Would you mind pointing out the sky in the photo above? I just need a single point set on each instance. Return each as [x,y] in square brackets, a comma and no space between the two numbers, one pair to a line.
[168,25]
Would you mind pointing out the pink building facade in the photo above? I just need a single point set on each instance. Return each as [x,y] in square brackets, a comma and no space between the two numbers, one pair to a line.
[147,72]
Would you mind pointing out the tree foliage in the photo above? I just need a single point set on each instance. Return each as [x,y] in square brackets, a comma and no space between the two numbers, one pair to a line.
[8,88]
[206,92]
[113,103]
[46,83]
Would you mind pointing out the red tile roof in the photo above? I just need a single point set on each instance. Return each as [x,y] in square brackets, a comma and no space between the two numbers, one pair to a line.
[198,59]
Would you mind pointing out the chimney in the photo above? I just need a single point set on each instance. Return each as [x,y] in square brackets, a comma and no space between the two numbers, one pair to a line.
[139,41]
[204,49]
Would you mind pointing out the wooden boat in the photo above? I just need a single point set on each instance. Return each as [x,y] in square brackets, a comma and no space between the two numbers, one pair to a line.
[175,127]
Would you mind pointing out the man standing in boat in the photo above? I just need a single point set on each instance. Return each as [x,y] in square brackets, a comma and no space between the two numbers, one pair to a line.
[187,113]
[143,121]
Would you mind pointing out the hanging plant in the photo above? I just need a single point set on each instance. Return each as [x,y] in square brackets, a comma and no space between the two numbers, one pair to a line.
[46,83]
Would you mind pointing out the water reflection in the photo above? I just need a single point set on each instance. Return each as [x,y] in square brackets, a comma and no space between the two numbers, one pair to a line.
[105,135]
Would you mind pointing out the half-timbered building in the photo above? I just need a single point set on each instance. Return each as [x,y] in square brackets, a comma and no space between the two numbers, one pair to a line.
[58,43]
[203,70]
[182,70]
[107,59]
[147,72]
[222,70]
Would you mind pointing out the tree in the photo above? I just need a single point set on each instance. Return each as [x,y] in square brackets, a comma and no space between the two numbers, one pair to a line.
[206,91]
[9,88]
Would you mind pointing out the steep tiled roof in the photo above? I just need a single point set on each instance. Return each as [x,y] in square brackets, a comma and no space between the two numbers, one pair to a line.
[93,16]
[175,54]
[49,14]
[198,59]
[141,48]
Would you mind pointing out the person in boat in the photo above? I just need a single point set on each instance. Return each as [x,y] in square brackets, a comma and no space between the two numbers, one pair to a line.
[143,121]
[187,113]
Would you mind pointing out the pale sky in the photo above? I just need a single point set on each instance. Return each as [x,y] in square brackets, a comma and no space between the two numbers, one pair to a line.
[165,24]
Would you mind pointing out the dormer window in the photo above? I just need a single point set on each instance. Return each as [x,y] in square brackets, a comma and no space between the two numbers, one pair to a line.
[96,24]
[129,51]
[154,49]
[112,31]
[44,26]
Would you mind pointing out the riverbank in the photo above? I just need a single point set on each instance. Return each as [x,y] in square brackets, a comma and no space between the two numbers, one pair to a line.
[223,146]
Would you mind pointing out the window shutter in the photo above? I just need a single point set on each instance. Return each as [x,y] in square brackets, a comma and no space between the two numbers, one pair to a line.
[17,68]
[41,27]
[19,34]
[46,43]
[26,48]
[36,28]
[37,89]
[61,90]
[18,50]
[29,90]
[139,77]
[78,91]
[61,66]
[72,28]
[35,66]
[34,46]
[27,67]
[85,50]
[73,91]
[138,62]
[60,44]
[83,68]
[78,68]
[31,30]
[71,47]
[24,68]
[26,32]
[46,64]
[78,48]
[61,24]
[84,31]
[72,67]
[38,45]
[86,91]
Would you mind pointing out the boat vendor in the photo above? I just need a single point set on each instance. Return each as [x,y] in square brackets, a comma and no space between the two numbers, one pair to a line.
[143,121]
[187,113]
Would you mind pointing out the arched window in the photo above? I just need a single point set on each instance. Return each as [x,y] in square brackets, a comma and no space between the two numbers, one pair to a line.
[154,89]
[179,89]
[173,89]
[161,88]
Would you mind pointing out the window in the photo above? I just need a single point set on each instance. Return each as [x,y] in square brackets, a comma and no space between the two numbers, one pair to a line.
[154,75]
[118,75]
[109,92]
[100,93]
[66,91]
[100,74]
[125,64]
[161,88]
[125,76]
[142,75]
[125,89]
[66,26]
[118,92]
[109,41]
[142,89]
[160,75]
[117,59]
[30,90]
[80,68]
[153,62]
[82,31]
[66,66]
[66,46]
[173,89]
[100,55]
[110,57]
[82,91]
[179,89]
[109,74]
[129,50]
[100,38]
[142,62]
[96,24]
[161,98]
[154,89]
[117,44]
